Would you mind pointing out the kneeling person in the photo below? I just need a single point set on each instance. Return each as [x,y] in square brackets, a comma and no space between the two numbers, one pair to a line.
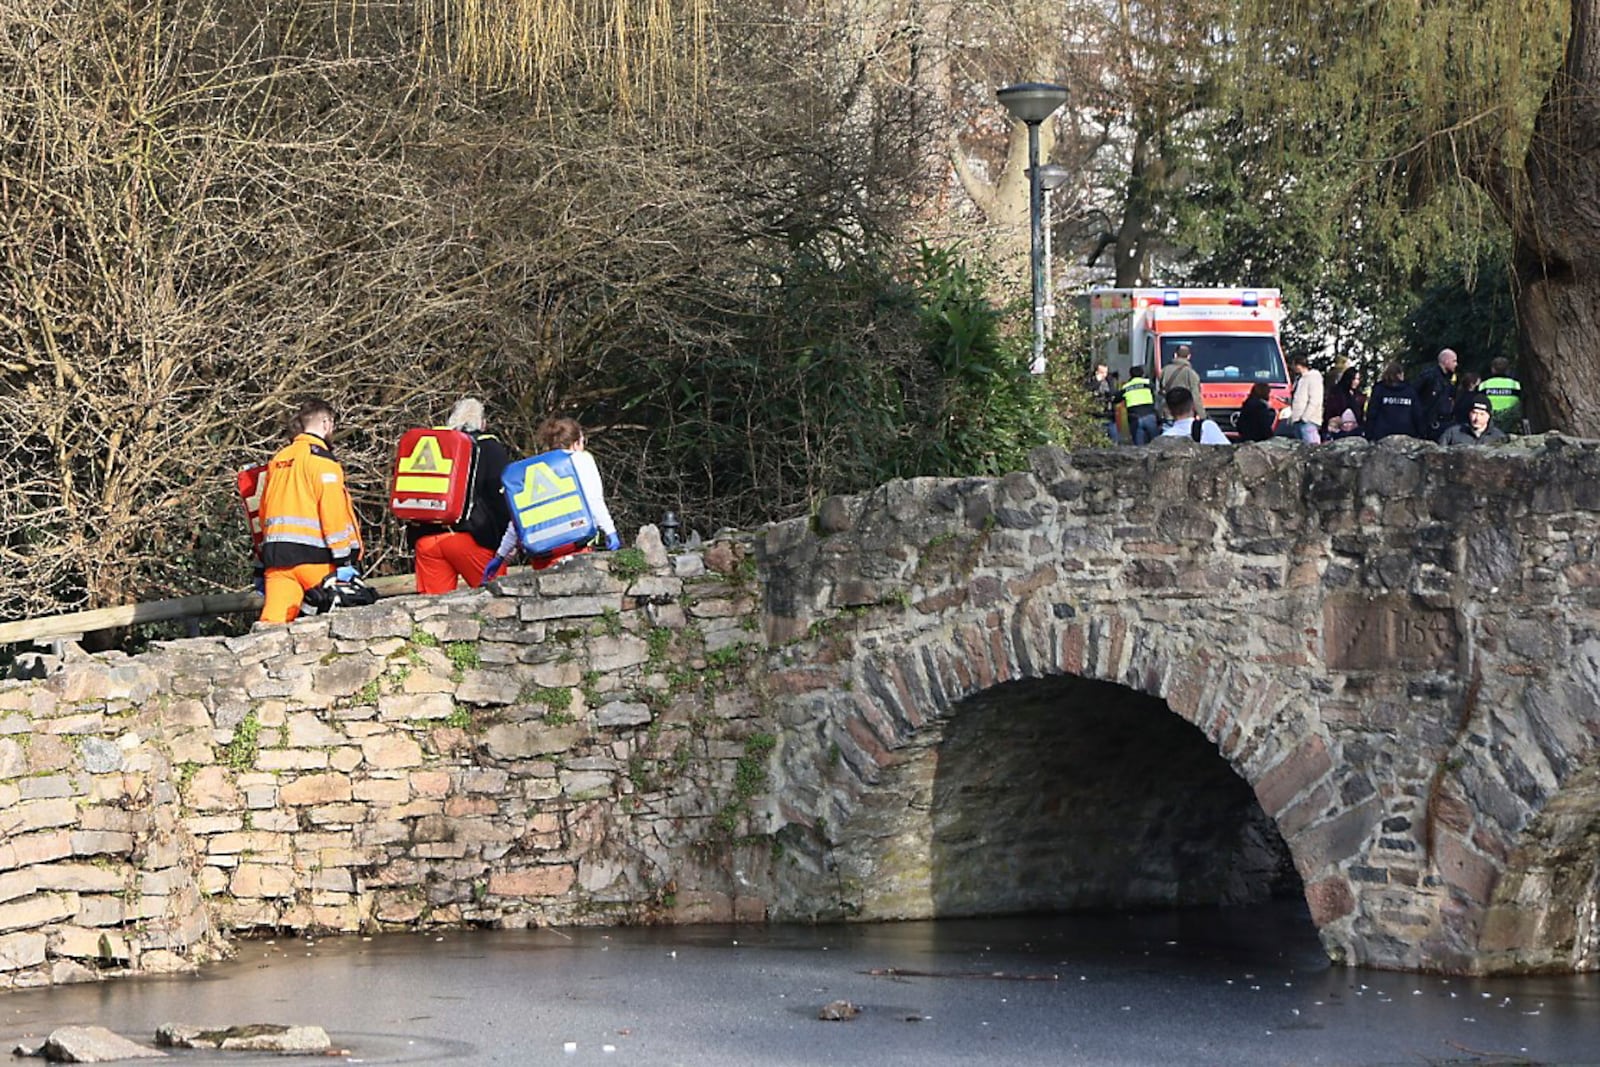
[308,524]
[531,505]
[446,553]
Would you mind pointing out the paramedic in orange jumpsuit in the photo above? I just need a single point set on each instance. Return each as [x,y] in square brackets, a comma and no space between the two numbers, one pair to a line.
[309,528]
[446,553]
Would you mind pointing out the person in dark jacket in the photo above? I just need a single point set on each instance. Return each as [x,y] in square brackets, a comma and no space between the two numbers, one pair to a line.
[1394,407]
[1256,417]
[1346,395]
[1468,389]
[1436,390]
[445,554]
[1478,429]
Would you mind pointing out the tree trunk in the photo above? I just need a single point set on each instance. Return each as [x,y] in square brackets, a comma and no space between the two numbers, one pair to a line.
[1558,242]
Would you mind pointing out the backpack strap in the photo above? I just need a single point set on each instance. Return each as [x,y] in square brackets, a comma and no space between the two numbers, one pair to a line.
[1197,427]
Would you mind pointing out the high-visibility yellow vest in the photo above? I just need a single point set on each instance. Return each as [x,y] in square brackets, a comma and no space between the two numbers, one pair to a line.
[1503,393]
[1138,394]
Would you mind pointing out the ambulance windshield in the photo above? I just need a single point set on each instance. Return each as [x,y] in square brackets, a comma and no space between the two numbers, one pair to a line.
[1222,358]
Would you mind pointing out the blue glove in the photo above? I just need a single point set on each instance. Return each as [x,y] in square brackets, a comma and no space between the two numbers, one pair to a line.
[345,573]
[613,542]
[489,572]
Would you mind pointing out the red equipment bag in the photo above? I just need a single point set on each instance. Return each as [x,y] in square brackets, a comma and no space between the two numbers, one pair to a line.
[252,481]
[432,480]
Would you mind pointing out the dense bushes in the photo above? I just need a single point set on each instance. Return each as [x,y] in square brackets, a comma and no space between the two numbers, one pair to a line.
[211,213]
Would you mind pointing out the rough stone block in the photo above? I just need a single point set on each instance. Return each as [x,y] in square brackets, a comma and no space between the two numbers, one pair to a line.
[100,910]
[484,780]
[430,783]
[14,884]
[345,676]
[556,675]
[391,752]
[1467,871]
[80,878]
[21,950]
[570,607]
[212,789]
[88,944]
[656,589]
[1296,772]
[261,880]
[586,785]
[99,755]
[488,687]
[93,1044]
[532,882]
[398,908]
[255,1037]
[384,619]
[622,713]
[307,730]
[402,707]
[453,627]
[524,739]
[424,681]
[38,815]
[609,654]
[101,843]
[327,815]
[291,759]
[38,910]
[315,789]
[382,791]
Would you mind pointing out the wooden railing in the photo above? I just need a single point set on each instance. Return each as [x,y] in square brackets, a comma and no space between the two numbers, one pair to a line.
[184,607]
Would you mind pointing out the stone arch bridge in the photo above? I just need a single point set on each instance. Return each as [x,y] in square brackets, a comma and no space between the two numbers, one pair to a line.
[1154,677]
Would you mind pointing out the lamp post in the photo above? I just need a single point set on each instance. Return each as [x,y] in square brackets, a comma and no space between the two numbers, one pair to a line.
[1031,103]
[1052,176]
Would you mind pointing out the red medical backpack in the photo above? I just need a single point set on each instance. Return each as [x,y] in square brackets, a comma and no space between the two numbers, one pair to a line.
[252,482]
[432,479]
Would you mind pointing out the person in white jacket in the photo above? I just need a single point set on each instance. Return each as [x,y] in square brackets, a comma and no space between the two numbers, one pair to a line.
[1305,409]
[565,435]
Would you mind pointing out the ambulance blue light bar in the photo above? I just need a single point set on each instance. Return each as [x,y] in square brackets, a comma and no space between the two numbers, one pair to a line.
[1170,298]
[1251,298]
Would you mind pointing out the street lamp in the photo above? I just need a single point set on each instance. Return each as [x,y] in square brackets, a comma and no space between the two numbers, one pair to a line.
[1052,176]
[1031,103]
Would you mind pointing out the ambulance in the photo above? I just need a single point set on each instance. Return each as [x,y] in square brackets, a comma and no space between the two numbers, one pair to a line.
[1232,336]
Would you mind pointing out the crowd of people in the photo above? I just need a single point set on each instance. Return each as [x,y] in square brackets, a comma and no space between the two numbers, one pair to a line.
[311,546]
[1440,405]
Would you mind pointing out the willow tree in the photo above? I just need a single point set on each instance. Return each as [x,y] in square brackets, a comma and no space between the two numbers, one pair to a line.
[1431,111]
[642,54]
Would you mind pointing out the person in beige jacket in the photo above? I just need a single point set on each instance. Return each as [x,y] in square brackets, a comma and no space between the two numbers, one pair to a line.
[1305,409]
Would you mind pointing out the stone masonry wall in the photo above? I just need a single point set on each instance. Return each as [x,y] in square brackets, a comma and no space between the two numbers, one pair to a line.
[563,749]
[1396,646]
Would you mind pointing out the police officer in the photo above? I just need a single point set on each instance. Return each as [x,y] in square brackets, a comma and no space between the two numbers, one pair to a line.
[1139,400]
[1505,395]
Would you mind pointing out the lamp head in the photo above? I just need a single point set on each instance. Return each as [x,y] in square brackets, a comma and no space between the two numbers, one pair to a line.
[1052,176]
[1032,102]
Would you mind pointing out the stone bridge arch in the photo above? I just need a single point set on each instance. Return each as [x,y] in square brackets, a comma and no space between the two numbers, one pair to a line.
[892,722]
[1393,645]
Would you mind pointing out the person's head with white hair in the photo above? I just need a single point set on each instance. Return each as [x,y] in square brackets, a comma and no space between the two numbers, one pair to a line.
[467,415]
